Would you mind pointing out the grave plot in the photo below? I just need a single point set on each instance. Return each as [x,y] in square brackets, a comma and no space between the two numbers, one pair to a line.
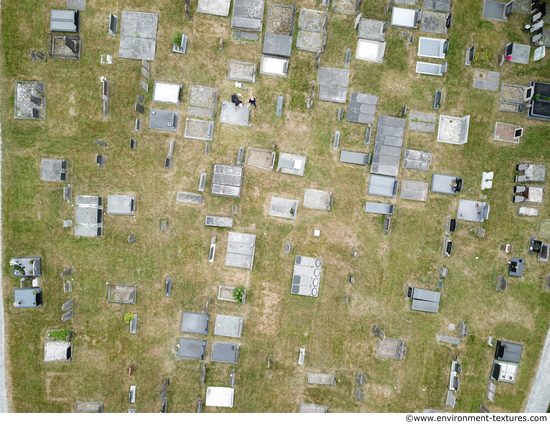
[515,268]
[279,31]
[308,408]
[504,371]
[312,34]
[218,221]
[191,198]
[58,351]
[322,379]
[545,229]
[424,122]
[391,348]
[54,170]
[283,208]
[241,71]
[30,100]
[486,80]
[545,39]
[497,10]
[31,297]
[362,108]
[306,276]
[167,92]
[214,7]
[387,145]
[349,7]
[226,293]
[435,22]
[414,190]
[443,5]
[355,158]
[446,184]
[192,348]
[122,293]
[318,199]
[512,98]
[528,194]
[27,267]
[235,116]
[333,84]
[225,352]
[164,120]
[198,129]
[527,211]
[219,397]
[372,29]
[434,69]
[248,15]
[291,164]
[240,250]
[520,52]
[382,186]
[227,180]
[274,66]
[121,205]
[379,208]
[425,300]
[405,18]
[138,35]
[64,20]
[432,47]
[507,132]
[540,108]
[453,130]
[83,407]
[471,210]
[89,216]
[370,51]
[65,47]
[260,158]
[531,172]
[229,326]
[192,322]
[202,102]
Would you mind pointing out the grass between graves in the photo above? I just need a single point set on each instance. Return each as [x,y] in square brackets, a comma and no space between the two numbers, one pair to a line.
[337,337]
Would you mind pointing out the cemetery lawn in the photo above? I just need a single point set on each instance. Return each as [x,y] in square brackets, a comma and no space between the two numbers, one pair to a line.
[337,337]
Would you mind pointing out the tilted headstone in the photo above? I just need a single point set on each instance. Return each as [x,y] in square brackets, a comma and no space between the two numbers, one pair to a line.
[287,248]
[67,305]
[67,287]
[234,209]
[509,8]
[105,109]
[357,20]
[140,98]
[145,73]
[207,148]
[145,64]
[69,336]
[437,99]
[105,90]
[138,125]
[168,287]
[347,59]
[113,21]
[240,156]
[199,406]
[67,223]
[360,379]
[279,109]
[340,113]
[202,182]
[67,193]
[387,224]
[69,43]
[440,283]
[346,299]
[41,56]
[99,142]
[462,329]
[164,385]
[67,316]
[35,113]
[144,86]
[449,21]
[500,60]
[378,332]
[188,9]
[205,310]
[133,143]
[317,62]
[203,374]
[443,272]
[336,140]
[404,111]
[164,225]
[359,394]
[33,56]
[232,379]
[36,100]
[66,273]
[221,43]
[483,409]
[139,108]
[100,160]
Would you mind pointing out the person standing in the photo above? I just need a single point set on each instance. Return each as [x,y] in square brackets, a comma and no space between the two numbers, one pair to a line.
[252,101]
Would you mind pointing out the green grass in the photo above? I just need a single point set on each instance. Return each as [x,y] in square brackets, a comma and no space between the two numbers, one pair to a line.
[337,337]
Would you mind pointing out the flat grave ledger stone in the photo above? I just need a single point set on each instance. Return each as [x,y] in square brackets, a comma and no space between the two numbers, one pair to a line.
[486,80]
[138,33]
[372,29]
[214,7]
[414,190]
[241,71]
[520,52]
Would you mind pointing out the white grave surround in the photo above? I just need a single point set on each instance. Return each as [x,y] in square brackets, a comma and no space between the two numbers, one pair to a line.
[371,51]
[165,92]
[220,397]
[402,17]
[274,66]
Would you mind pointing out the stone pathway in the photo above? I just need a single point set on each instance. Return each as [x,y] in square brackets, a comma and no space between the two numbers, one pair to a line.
[539,398]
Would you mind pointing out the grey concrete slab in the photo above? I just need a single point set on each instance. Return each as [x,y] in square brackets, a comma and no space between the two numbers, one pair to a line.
[240,250]
[349,7]
[274,66]
[312,41]
[414,190]
[277,45]
[471,210]
[318,199]
[225,352]
[312,20]
[308,408]
[121,204]
[382,186]
[520,53]
[431,47]
[372,29]
[241,71]
[404,18]
[76,4]
[218,221]
[229,326]
[199,129]
[291,164]
[417,159]
[245,35]
[333,76]
[539,397]
[138,33]
[319,378]
[192,198]
[192,348]
[370,50]
[379,208]
[390,121]
[306,276]
[201,112]
[433,22]
[434,69]
[248,14]
[200,96]
[54,170]
[234,116]
[444,184]
[355,158]
[494,10]
[214,7]
[421,126]
[486,80]
[227,180]
[164,120]
[330,93]
[443,5]
[192,322]
[283,208]
[424,122]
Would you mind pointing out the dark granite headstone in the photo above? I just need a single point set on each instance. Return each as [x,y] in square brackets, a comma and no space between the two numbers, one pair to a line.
[69,43]
[139,108]
[41,56]
[33,56]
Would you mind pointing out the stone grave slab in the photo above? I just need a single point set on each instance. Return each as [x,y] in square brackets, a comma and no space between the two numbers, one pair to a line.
[355,158]
[121,204]
[248,14]
[234,116]
[362,108]
[67,305]
[506,132]
[390,348]
[433,22]
[241,71]
[166,92]
[311,41]
[486,80]
[198,129]
[274,66]
[471,210]
[322,379]
[260,158]
[279,108]
[370,51]
[313,20]
[434,48]
[283,208]
[245,35]
[405,18]
[434,69]
[54,170]
[138,34]
[200,112]
[520,53]
[442,5]
[192,198]
[417,159]
[424,122]
[228,326]
[67,316]
[545,228]
[494,10]
[291,164]
[382,186]
[449,339]
[214,7]
[200,96]
[308,408]
[453,130]
[76,4]
[227,180]
[333,76]
[372,29]
[164,120]
[349,7]
[192,348]
[240,250]
[414,190]
[318,199]
[277,44]
[218,221]
[387,146]
[330,93]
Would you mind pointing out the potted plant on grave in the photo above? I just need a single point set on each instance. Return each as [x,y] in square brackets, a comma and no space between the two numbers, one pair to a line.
[178,44]
[238,293]
[128,317]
